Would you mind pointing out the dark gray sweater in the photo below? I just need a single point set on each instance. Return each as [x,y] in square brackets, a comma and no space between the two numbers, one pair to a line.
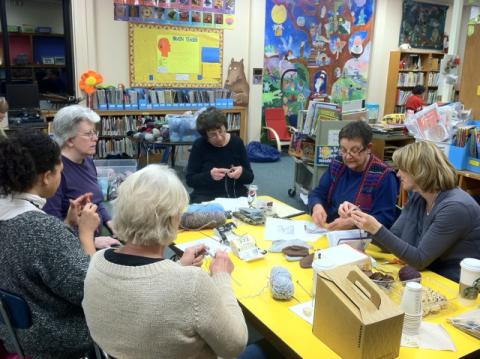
[42,261]
[440,240]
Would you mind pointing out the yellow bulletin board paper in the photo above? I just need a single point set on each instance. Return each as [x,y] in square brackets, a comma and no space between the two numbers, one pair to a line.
[172,56]
[212,70]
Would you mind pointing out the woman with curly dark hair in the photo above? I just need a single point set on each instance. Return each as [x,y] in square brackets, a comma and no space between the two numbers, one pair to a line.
[42,259]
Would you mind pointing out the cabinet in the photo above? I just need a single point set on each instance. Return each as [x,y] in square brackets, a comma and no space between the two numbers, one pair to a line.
[469,86]
[383,146]
[115,125]
[37,57]
[408,69]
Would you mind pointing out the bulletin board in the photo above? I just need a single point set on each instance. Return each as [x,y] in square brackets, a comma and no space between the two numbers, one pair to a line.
[174,56]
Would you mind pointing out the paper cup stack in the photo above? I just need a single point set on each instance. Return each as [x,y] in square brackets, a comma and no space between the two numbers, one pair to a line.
[412,306]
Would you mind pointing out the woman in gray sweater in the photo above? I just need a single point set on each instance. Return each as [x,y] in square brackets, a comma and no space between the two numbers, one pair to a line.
[41,258]
[157,308]
[440,224]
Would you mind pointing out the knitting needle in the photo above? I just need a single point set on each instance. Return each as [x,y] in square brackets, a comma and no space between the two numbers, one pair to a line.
[310,294]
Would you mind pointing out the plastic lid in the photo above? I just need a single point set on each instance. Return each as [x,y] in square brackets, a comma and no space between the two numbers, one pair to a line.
[319,265]
[414,286]
[471,264]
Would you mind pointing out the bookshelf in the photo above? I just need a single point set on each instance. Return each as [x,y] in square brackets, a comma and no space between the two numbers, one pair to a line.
[407,69]
[313,146]
[33,54]
[115,124]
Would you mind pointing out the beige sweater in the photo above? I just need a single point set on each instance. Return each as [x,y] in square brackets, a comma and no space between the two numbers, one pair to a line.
[162,310]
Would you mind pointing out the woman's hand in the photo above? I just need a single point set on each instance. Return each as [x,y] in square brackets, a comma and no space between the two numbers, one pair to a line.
[76,207]
[365,221]
[235,172]
[193,256]
[89,220]
[221,263]
[345,209]
[319,215]
[340,224]
[105,242]
[218,173]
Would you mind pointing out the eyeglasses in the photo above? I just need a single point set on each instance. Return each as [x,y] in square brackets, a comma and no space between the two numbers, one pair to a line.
[355,151]
[90,134]
[219,133]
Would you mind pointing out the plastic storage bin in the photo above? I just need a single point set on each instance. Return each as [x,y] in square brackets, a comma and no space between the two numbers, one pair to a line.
[106,168]
[182,128]
[111,173]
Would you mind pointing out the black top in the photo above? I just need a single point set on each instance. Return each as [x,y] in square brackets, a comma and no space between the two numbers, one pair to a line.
[204,157]
[127,259]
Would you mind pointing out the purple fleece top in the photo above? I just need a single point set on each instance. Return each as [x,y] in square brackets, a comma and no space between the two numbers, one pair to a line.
[77,179]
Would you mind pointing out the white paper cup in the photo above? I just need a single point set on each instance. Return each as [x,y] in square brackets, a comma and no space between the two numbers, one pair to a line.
[319,265]
[469,273]
[412,299]
[411,324]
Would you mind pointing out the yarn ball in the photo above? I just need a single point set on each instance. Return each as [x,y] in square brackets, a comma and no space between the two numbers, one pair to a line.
[281,283]
[408,273]
[149,137]
[201,220]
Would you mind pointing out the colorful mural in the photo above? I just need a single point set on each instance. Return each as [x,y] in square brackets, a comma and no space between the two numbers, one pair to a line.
[315,48]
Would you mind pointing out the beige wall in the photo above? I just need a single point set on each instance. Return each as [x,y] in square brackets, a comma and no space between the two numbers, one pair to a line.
[100,43]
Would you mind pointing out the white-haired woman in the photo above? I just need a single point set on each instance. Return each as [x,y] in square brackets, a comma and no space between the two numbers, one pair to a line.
[74,131]
[157,308]
[439,226]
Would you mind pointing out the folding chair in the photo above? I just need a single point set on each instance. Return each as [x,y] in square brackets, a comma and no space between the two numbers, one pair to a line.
[15,314]
[276,125]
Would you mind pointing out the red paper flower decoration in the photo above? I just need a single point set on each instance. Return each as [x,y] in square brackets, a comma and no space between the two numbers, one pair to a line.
[90,80]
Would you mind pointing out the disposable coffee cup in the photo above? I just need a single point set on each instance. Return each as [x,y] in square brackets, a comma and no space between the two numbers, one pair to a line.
[252,195]
[320,265]
[469,276]
[412,299]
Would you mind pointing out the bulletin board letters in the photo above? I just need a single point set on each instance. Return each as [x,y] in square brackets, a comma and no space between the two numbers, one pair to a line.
[171,56]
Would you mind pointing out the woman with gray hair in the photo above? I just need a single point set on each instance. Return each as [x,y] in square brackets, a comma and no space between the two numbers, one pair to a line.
[157,308]
[74,131]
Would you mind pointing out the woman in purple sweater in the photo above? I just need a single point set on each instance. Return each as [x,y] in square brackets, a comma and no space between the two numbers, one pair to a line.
[74,131]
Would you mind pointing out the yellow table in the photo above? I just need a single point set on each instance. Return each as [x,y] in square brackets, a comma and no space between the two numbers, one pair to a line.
[291,334]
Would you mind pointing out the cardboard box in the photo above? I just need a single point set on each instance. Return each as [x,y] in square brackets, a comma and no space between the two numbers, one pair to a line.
[354,317]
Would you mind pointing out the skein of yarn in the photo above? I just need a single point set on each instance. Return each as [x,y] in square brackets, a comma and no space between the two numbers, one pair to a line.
[201,216]
[201,220]
[281,283]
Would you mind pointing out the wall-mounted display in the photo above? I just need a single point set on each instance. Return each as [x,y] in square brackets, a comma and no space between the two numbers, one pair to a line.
[174,56]
[423,25]
[218,14]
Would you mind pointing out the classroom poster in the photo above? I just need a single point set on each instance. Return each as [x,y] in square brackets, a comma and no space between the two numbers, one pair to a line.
[423,25]
[171,56]
[219,14]
[315,48]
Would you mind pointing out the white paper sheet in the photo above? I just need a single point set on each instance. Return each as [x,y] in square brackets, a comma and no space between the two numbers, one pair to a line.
[431,336]
[299,310]
[285,229]
[212,245]
[231,204]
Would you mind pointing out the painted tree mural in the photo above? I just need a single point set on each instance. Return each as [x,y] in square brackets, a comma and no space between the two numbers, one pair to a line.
[315,48]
